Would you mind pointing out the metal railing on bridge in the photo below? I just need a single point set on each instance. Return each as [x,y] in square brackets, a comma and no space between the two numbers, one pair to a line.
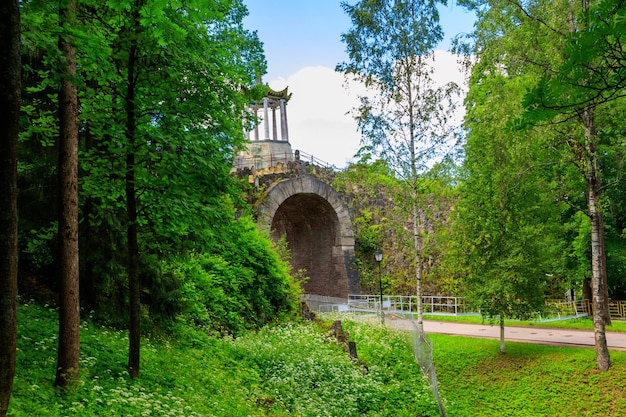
[564,309]
[400,304]
[325,303]
[270,160]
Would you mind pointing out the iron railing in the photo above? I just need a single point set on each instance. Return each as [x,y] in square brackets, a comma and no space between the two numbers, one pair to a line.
[270,160]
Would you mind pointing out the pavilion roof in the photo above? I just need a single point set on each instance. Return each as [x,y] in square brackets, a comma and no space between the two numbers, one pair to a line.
[278,95]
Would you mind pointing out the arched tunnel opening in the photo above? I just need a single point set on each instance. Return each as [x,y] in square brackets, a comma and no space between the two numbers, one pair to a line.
[311,228]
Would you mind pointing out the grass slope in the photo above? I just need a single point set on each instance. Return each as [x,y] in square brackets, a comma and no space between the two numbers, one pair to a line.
[298,370]
[288,370]
[529,380]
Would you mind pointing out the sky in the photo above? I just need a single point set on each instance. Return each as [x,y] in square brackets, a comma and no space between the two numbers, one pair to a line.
[302,43]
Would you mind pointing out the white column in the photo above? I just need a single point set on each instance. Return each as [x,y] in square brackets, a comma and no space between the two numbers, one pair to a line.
[266,119]
[244,114]
[274,128]
[284,132]
[256,125]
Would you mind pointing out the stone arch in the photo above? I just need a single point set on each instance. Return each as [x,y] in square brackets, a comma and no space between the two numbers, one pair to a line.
[318,230]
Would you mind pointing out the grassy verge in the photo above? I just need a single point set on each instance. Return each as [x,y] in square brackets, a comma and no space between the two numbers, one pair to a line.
[530,380]
[579,323]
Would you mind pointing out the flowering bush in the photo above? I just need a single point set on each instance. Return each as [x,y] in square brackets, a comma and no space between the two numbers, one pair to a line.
[307,374]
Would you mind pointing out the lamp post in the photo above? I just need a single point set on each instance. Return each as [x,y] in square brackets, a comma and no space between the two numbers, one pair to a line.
[378,255]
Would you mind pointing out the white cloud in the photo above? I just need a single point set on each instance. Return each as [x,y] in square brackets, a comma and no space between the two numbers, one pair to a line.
[318,123]
[447,69]
[317,112]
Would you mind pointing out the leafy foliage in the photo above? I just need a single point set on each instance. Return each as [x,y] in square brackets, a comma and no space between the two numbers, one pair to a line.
[193,73]
[237,283]
[377,198]
[529,71]
[504,214]
[592,71]
[564,89]
[390,46]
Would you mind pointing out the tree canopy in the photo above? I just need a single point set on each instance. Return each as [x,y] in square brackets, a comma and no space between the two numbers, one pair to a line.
[161,87]
[564,96]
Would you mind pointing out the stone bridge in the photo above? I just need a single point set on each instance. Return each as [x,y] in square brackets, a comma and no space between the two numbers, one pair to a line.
[317,226]
[297,202]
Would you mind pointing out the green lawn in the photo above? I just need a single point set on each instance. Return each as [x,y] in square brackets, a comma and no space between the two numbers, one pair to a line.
[529,380]
[580,323]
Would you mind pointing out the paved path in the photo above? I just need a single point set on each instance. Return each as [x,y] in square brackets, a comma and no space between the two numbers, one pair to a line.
[549,336]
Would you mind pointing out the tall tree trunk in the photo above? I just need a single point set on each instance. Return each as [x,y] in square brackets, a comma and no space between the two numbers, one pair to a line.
[502,344]
[587,294]
[418,263]
[69,302]
[88,295]
[132,267]
[502,227]
[10,84]
[417,242]
[598,269]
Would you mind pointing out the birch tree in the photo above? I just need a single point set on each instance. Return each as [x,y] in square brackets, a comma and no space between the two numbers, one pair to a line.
[404,118]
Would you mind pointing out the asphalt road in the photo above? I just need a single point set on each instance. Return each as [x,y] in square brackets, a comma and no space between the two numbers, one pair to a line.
[548,336]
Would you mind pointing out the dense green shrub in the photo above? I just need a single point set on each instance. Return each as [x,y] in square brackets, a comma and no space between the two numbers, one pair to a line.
[238,282]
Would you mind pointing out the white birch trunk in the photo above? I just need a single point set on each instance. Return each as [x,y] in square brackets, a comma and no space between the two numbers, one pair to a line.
[598,270]
[502,346]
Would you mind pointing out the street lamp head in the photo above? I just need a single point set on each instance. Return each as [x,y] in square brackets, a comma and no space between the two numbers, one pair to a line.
[378,255]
